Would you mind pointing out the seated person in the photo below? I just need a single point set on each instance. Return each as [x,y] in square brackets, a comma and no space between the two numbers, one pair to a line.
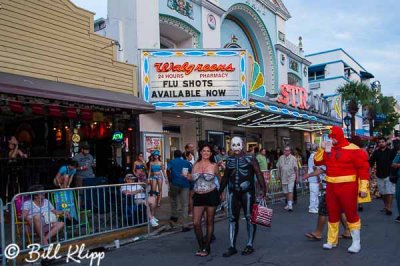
[41,215]
[130,189]
[65,175]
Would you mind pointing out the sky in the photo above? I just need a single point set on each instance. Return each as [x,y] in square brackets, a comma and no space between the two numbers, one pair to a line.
[368,30]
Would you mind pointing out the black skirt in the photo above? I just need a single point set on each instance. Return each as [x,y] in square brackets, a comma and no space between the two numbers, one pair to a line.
[210,199]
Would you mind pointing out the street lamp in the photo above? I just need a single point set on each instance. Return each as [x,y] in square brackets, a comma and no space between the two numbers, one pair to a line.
[376,85]
[376,89]
[347,121]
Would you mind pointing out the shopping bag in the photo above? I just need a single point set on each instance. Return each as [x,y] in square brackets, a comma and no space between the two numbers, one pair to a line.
[261,214]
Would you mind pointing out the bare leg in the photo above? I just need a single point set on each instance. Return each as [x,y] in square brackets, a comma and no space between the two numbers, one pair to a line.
[343,221]
[152,205]
[36,223]
[320,226]
[290,196]
[385,201]
[389,201]
[153,185]
[160,184]
[55,227]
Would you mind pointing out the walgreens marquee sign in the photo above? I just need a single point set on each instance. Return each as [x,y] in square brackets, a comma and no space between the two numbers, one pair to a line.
[194,79]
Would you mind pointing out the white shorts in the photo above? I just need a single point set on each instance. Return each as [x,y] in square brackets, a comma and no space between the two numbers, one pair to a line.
[385,187]
[288,188]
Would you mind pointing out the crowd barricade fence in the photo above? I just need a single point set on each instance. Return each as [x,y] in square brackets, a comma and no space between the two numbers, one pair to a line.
[78,213]
[2,234]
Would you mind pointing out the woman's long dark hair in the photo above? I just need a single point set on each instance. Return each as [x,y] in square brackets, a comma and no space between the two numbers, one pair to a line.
[137,156]
[212,157]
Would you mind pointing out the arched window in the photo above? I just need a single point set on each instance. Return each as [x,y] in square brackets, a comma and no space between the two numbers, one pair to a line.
[294,80]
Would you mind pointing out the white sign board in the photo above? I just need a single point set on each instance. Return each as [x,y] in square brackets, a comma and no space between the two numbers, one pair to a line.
[194,79]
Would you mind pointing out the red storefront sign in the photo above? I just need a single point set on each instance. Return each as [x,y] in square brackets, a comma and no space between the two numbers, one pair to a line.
[37,108]
[71,112]
[86,114]
[54,110]
[16,107]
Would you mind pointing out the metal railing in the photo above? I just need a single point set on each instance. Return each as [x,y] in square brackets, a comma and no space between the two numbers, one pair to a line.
[2,234]
[76,213]
[274,185]
[302,184]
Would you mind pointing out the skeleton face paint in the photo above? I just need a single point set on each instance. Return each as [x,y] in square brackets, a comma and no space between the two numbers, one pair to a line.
[237,144]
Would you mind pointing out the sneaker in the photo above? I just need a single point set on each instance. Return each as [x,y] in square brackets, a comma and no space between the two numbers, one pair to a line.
[155,219]
[289,208]
[153,223]
[328,246]
[388,212]
[397,220]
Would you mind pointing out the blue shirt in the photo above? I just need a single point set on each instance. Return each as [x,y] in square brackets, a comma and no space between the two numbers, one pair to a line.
[64,170]
[175,166]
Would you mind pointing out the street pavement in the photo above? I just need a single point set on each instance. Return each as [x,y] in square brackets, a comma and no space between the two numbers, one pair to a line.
[283,244]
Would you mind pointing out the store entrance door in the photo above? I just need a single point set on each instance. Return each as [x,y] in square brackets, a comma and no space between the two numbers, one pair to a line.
[174,142]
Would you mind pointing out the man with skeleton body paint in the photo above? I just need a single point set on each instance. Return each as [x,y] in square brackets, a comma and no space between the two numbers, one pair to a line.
[239,177]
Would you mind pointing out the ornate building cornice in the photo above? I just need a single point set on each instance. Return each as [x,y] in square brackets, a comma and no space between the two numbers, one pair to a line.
[285,50]
[210,6]
[176,22]
[276,8]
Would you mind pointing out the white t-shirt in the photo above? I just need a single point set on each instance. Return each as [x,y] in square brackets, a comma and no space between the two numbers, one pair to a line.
[311,166]
[133,188]
[33,209]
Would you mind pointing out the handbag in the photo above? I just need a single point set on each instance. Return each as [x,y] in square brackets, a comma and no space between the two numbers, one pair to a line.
[261,214]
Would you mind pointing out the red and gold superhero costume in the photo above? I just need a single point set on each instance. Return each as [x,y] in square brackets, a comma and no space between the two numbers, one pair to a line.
[347,174]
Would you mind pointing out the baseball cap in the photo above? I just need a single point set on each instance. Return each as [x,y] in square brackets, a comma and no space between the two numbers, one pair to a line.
[85,146]
[130,176]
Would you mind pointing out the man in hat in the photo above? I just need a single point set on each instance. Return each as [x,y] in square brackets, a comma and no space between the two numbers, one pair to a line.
[347,177]
[86,163]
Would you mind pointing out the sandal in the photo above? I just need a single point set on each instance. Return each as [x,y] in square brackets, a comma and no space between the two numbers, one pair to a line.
[313,237]
[205,252]
[198,253]
[248,250]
